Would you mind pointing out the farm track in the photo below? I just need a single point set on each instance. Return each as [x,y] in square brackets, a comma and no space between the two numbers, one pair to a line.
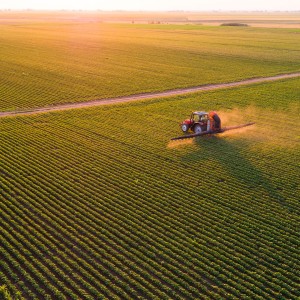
[144,96]
[94,211]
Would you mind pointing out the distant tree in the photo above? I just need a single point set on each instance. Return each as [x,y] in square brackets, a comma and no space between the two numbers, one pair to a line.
[234,24]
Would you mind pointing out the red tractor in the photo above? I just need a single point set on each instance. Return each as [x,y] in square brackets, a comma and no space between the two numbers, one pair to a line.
[201,121]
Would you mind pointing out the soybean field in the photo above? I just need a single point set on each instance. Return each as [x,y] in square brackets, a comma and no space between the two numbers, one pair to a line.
[98,204]
[46,63]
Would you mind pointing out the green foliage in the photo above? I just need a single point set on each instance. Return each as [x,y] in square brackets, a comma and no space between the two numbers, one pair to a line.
[98,204]
[4,293]
[61,62]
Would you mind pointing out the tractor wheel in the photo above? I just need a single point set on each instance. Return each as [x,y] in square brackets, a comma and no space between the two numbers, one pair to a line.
[197,129]
[184,127]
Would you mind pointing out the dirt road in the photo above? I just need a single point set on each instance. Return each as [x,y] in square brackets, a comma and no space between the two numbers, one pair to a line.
[144,96]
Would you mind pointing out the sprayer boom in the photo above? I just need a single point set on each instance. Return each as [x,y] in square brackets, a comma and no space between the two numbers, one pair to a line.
[188,136]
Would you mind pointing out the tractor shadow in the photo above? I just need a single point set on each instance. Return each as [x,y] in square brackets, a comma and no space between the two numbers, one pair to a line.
[229,154]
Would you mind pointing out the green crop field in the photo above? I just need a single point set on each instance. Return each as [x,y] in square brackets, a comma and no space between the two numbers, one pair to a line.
[49,62]
[98,203]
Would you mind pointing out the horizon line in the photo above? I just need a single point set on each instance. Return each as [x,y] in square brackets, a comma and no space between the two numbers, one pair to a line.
[146,10]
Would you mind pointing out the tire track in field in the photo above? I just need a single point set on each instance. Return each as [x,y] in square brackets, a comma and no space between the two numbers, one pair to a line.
[144,96]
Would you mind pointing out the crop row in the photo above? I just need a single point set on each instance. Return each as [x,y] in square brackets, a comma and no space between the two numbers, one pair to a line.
[45,64]
[93,209]
[133,224]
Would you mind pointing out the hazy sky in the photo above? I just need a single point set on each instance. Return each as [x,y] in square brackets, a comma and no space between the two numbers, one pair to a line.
[153,4]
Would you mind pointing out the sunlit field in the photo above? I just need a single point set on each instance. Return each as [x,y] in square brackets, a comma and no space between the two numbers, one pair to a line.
[62,60]
[98,203]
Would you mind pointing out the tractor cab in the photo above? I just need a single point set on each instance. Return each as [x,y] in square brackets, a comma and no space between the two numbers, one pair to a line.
[199,116]
[197,122]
